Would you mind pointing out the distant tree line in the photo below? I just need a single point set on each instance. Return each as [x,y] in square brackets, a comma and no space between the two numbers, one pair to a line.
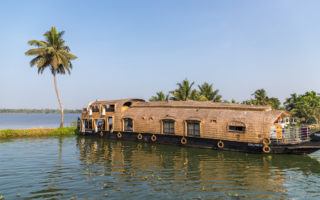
[305,107]
[41,111]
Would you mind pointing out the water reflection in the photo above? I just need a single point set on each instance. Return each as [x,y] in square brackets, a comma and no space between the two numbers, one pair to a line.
[95,168]
[193,173]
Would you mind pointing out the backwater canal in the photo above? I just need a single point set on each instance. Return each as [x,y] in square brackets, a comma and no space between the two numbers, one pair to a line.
[94,168]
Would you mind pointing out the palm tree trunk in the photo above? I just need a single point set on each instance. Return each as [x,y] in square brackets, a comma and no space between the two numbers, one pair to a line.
[59,101]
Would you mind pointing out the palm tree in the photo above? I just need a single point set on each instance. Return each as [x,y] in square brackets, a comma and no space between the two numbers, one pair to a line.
[52,53]
[291,102]
[184,91]
[160,96]
[206,90]
[261,97]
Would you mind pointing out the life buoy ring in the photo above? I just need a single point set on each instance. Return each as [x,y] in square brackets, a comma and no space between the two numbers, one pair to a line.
[266,141]
[153,138]
[139,136]
[266,149]
[220,144]
[119,135]
[183,140]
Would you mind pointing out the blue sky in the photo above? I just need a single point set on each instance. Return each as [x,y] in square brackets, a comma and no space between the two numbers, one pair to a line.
[136,48]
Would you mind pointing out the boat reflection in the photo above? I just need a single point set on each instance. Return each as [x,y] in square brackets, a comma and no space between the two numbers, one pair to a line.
[205,169]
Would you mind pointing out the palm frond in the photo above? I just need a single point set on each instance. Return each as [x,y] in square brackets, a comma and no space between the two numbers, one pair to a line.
[37,43]
[51,52]
[36,51]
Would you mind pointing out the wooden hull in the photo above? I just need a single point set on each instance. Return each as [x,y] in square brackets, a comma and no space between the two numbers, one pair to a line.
[302,148]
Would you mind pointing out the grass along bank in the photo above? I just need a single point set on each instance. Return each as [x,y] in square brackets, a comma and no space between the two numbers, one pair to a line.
[37,132]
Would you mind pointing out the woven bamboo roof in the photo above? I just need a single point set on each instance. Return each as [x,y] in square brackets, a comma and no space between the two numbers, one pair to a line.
[195,109]
[200,104]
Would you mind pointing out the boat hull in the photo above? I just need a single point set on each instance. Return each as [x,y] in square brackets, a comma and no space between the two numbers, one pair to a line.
[301,148]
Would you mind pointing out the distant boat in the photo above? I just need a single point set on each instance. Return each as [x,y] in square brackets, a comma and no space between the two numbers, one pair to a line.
[221,126]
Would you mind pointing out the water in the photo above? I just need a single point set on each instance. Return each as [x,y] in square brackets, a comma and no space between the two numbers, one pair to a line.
[95,168]
[24,120]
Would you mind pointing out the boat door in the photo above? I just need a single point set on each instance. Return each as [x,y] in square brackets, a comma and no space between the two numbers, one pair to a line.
[100,125]
[110,124]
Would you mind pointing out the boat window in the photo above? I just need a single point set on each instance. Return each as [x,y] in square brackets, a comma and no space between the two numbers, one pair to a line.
[109,107]
[237,127]
[88,124]
[127,124]
[168,126]
[95,109]
[127,104]
[193,128]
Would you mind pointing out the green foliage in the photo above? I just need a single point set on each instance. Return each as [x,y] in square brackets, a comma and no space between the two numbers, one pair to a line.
[51,53]
[231,101]
[261,98]
[10,133]
[206,90]
[274,103]
[184,91]
[306,107]
[160,96]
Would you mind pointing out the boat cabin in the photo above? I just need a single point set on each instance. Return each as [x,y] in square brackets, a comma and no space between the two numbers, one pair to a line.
[223,121]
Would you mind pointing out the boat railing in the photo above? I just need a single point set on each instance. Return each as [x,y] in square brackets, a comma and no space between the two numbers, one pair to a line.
[290,134]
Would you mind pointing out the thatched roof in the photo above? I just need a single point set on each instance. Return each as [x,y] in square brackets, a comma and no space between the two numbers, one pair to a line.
[195,110]
[200,104]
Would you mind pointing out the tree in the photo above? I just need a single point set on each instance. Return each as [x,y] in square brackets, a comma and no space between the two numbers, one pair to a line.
[54,54]
[261,98]
[206,90]
[306,107]
[274,102]
[195,96]
[184,91]
[160,96]
[290,103]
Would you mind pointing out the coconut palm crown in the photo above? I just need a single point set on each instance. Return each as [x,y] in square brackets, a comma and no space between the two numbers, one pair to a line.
[54,54]
[184,91]
[207,91]
[160,96]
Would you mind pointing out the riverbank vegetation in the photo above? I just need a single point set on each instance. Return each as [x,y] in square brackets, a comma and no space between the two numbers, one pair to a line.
[304,107]
[37,132]
[40,111]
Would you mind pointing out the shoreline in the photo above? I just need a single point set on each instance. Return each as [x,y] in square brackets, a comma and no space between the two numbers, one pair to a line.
[37,132]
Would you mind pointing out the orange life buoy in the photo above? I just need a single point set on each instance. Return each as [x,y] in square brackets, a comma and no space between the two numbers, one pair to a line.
[266,149]
[220,144]
[139,136]
[119,135]
[153,138]
[183,140]
[266,141]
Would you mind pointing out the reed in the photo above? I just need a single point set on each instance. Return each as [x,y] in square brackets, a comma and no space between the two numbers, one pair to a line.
[37,132]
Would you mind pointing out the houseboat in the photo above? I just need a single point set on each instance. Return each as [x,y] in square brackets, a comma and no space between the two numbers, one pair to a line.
[221,126]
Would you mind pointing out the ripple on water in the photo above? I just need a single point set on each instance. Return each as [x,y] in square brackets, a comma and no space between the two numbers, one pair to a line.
[94,168]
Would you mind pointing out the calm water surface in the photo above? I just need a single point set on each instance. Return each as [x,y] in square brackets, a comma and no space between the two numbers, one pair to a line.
[24,120]
[95,168]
